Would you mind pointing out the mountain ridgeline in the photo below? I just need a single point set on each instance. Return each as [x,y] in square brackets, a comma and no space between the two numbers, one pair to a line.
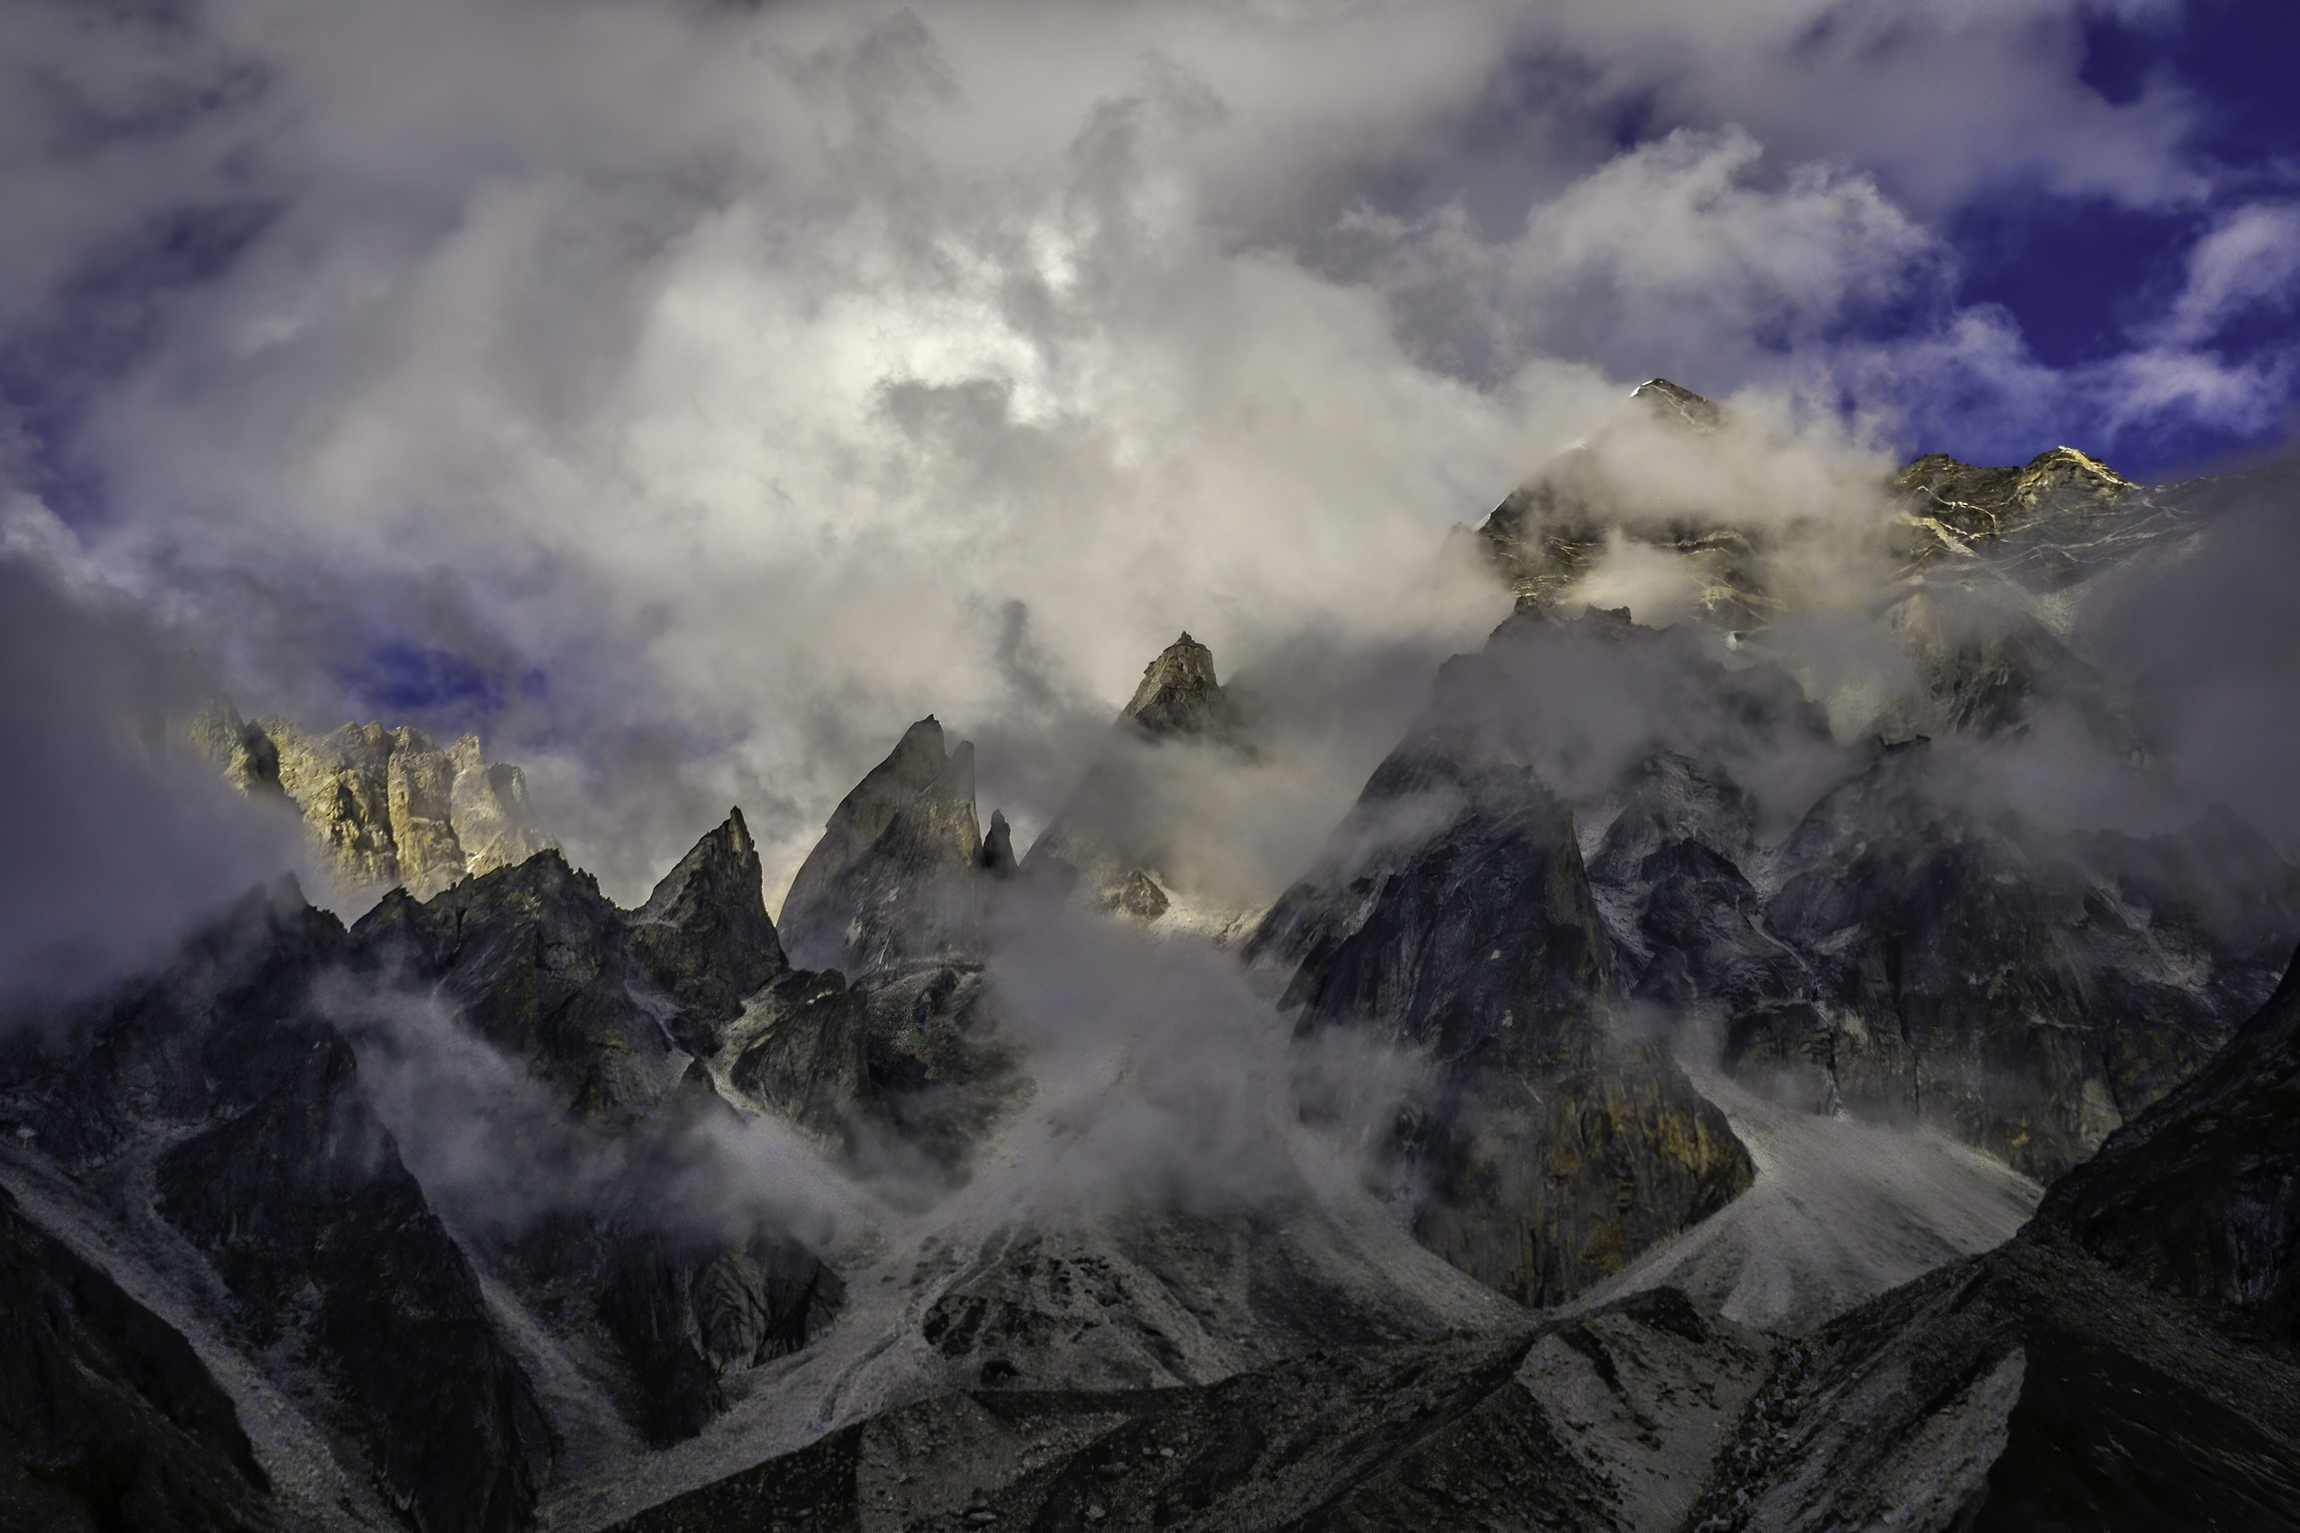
[508,1207]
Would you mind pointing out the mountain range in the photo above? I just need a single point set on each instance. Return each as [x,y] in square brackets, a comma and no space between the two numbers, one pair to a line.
[1689,1091]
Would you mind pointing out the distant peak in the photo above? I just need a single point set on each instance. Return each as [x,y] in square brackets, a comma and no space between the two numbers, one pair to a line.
[1678,405]
[1180,695]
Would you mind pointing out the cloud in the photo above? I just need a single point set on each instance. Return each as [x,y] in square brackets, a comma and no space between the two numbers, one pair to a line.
[1945,102]
[1677,256]
[1163,1079]
[2250,259]
[2208,639]
[115,840]
[699,389]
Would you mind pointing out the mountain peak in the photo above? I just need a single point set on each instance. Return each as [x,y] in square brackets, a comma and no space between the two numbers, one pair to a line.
[704,931]
[1179,695]
[1676,405]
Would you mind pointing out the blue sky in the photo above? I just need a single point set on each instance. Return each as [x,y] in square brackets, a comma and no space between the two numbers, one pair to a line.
[2075,275]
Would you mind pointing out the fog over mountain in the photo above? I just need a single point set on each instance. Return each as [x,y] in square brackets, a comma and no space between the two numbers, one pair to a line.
[867,767]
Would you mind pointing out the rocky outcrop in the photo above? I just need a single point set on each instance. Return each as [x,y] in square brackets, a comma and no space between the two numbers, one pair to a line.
[2199,1197]
[541,965]
[108,1418]
[218,1097]
[383,807]
[1609,1421]
[689,1299]
[246,756]
[2025,992]
[800,1049]
[2126,1362]
[1180,699]
[704,934]
[1453,915]
[897,876]
[388,807]
[2068,1379]
[2037,522]
[1910,948]
[329,1247]
[628,1018]
[226,1098]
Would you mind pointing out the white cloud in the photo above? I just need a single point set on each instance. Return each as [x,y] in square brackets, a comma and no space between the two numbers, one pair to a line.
[733,370]
[2250,259]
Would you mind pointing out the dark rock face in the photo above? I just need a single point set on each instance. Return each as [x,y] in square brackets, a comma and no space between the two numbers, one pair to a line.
[801,1049]
[704,933]
[688,1312]
[1564,1428]
[897,875]
[2127,1361]
[541,964]
[244,1101]
[108,1418]
[626,1017]
[1909,948]
[304,1192]
[206,1036]
[2029,1388]
[1454,914]
[2068,1379]
[940,1073]
[2024,991]
[690,1304]
[223,1096]
[1285,1449]
[2199,1197]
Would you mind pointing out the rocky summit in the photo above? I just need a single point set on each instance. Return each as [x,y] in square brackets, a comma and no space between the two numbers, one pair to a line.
[382,808]
[1116,844]
[1694,1088]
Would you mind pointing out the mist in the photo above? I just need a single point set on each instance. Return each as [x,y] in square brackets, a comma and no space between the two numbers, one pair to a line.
[689,397]
[117,839]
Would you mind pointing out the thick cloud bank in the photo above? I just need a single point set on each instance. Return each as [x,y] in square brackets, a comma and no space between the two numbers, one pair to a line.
[690,396]
[115,839]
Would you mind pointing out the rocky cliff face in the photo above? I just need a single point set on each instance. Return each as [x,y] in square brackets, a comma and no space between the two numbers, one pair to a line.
[218,1120]
[384,807]
[2023,990]
[108,1417]
[895,878]
[1909,946]
[216,1102]
[2064,1380]
[2127,1361]
[1453,915]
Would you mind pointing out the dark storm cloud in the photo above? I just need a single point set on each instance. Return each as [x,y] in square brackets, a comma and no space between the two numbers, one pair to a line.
[115,838]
